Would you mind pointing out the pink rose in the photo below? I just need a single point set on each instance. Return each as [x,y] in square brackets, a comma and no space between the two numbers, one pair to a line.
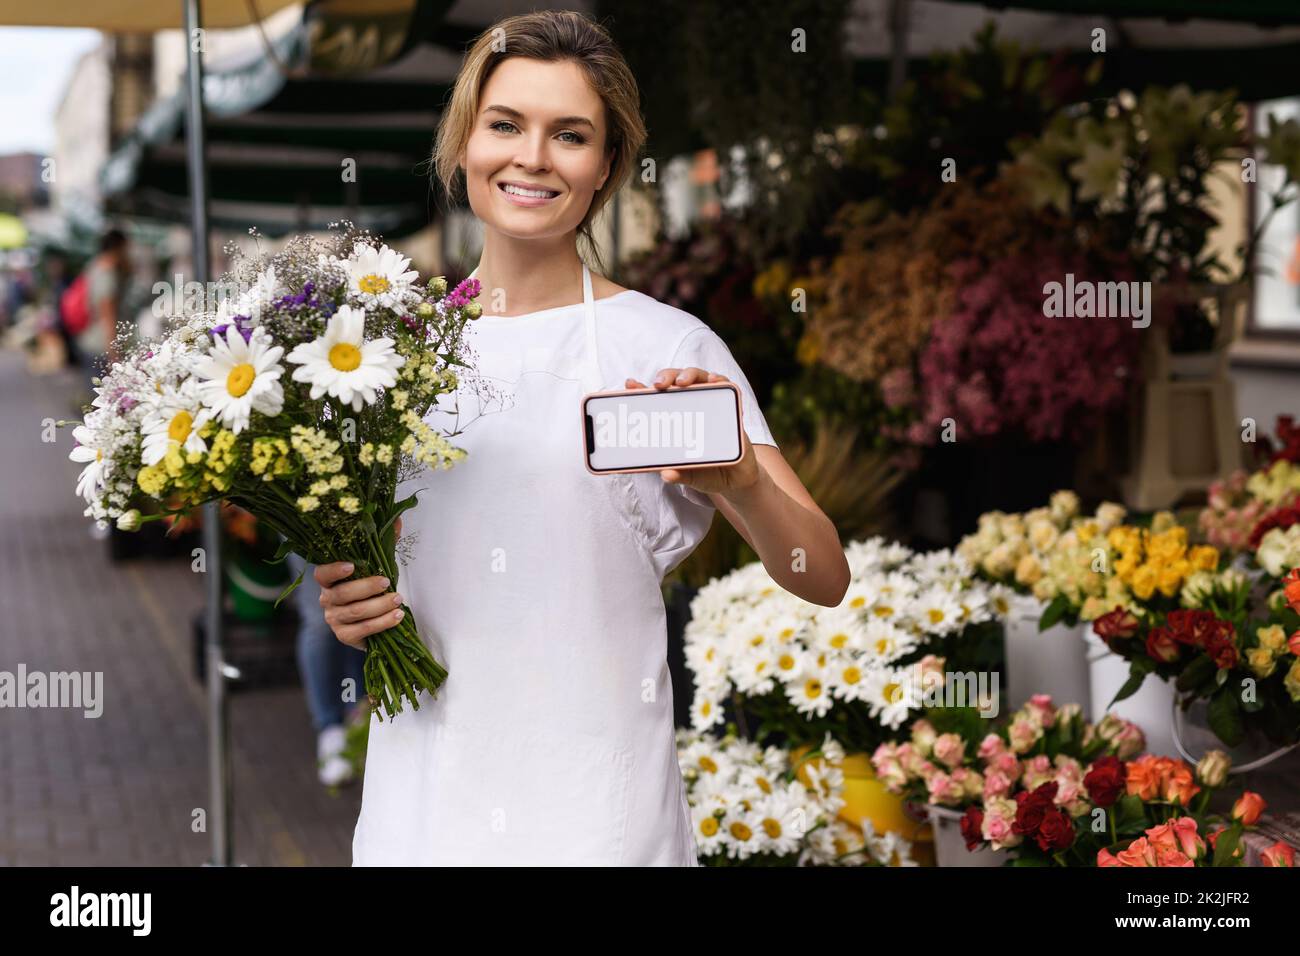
[949,749]
[991,746]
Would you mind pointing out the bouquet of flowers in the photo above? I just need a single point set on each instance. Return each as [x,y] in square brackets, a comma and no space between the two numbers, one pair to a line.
[301,399]
[858,671]
[1052,790]
[955,760]
[1148,811]
[1239,653]
[1044,553]
[750,807]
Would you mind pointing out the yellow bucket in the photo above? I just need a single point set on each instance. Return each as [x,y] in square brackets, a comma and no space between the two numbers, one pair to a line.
[865,796]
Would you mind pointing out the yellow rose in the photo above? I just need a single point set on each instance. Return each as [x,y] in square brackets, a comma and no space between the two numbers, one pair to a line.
[1028,571]
[1273,638]
[1169,580]
[1261,661]
[1144,581]
[1163,521]
[1204,557]
[1292,681]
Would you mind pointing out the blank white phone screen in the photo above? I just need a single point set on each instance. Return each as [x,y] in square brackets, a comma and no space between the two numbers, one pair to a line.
[691,426]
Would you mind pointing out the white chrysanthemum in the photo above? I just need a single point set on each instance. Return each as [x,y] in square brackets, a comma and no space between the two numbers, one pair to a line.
[343,364]
[237,378]
[378,276]
[88,450]
[175,417]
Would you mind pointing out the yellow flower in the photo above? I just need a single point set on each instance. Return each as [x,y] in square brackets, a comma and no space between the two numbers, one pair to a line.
[1261,661]
[308,503]
[1144,581]
[1272,638]
[1292,681]
[1204,557]
[1169,580]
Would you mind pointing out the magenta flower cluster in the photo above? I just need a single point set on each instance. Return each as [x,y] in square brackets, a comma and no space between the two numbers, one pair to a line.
[997,366]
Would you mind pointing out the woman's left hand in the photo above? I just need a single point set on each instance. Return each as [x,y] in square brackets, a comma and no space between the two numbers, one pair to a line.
[725,480]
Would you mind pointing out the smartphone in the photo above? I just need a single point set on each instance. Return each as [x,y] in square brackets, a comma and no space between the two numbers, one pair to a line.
[646,429]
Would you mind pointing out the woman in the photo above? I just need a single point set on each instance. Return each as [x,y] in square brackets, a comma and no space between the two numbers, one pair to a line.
[536,582]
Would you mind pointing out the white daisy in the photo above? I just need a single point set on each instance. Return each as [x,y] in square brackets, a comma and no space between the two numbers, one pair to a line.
[175,418]
[91,480]
[238,377]
[378,276]
[342,363]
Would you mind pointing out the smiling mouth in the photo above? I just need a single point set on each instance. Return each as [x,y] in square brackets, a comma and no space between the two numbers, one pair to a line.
[512,190]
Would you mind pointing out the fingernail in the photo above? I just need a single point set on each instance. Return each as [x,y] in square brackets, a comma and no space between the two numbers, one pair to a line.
[682,377]
[398,615]
[347,567]
[661,378]
[397,599]
[383,582]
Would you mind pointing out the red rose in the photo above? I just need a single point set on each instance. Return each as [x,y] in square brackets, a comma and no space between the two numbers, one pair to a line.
[972,827]
[1105,781]
[1116,625]
[1190,627]
[1283,517]
[1056,832]
[1222,646]
[1162,646]
[1032,807]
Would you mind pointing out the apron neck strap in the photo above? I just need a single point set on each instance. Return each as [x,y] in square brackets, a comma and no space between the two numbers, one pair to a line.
[591,377]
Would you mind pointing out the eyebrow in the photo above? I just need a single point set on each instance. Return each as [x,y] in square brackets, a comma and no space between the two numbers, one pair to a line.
[558,121]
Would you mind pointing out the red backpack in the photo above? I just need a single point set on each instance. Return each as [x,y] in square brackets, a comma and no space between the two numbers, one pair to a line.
[75,304]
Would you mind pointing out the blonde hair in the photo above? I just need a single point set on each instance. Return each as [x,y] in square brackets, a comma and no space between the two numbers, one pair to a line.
[550,36]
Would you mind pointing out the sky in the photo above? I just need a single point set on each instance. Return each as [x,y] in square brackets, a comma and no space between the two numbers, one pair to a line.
[35,66]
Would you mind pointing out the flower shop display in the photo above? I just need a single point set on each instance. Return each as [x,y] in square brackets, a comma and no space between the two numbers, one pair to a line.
[1049,789]
[955,760]
[1134,172]
[1043,554]
[302,401]
[761,806]
[861,671]
[1235,646]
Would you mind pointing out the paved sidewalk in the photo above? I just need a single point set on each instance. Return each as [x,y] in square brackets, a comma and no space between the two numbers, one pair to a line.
[122,789]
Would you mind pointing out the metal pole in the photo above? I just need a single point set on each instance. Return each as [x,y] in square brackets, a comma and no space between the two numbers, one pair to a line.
[899,15]
[219,793]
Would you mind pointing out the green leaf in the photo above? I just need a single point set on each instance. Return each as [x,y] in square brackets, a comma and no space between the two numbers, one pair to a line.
[283,551]
[1225,845]
[291,588]
[1197,671]
[1225,717]
[1136,675]
[398,507]
[1053,613]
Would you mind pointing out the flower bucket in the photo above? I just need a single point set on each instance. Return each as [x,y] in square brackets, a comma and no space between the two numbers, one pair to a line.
[950,845]
[1151,708]
[1053,661]
[865,797]
[1194,739]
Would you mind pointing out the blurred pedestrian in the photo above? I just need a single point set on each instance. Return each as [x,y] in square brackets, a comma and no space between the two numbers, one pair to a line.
[107,280]
[324,663]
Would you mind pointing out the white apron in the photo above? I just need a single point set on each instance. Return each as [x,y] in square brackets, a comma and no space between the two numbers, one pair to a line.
[552,741]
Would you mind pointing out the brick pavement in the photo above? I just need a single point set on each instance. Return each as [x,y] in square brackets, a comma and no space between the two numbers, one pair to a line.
[120,789]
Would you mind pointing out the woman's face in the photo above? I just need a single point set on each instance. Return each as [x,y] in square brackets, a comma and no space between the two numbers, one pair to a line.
[540,128]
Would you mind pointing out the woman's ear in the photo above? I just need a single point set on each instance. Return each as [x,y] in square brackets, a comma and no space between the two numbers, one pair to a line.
[604,173]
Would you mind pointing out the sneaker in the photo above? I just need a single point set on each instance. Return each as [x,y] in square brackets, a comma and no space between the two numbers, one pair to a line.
[334,768]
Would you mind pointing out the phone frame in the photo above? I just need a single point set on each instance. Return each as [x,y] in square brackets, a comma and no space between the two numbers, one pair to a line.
[587,449]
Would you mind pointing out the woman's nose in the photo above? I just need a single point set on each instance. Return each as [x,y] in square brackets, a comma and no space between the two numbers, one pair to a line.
[533,154]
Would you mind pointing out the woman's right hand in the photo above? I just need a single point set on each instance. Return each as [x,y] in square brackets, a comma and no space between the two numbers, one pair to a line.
[356,609]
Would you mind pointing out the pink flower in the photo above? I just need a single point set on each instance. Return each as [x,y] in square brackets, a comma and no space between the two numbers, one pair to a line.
[1041,704]
[999,816]
[991,746]
[949,749]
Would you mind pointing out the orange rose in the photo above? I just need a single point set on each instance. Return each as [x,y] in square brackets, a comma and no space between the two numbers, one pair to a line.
[1248,808]
[1139,853]
[1179,784]
[1279,854]
[1144,778]
[1291,586]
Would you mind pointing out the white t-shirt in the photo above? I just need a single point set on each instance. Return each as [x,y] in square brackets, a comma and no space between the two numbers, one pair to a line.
[537,585]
